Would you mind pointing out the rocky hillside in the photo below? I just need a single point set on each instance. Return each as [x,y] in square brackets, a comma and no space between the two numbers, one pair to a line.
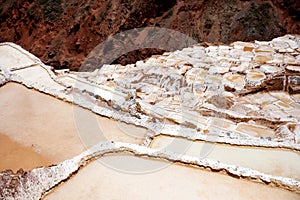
[62,32]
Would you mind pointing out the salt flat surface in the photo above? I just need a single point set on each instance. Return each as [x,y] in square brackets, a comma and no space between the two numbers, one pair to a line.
[12,58]
[275,161]
[97,181]
[15,156]
[56,129]
[38,75]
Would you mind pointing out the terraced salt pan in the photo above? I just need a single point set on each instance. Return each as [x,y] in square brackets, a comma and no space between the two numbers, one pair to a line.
[172,182]
[52,128]
[275,161]
[14,156]
[123,79]
[88,93]
[15,56]
[38,75]
[36,182]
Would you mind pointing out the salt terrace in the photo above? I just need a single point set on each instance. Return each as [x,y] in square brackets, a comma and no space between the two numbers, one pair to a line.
[217,116]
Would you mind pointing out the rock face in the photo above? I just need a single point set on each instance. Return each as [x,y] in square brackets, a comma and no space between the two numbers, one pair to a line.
[243,95]
[62,33]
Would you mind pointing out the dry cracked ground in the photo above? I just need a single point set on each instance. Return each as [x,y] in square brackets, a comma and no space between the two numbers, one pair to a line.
[204,122]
